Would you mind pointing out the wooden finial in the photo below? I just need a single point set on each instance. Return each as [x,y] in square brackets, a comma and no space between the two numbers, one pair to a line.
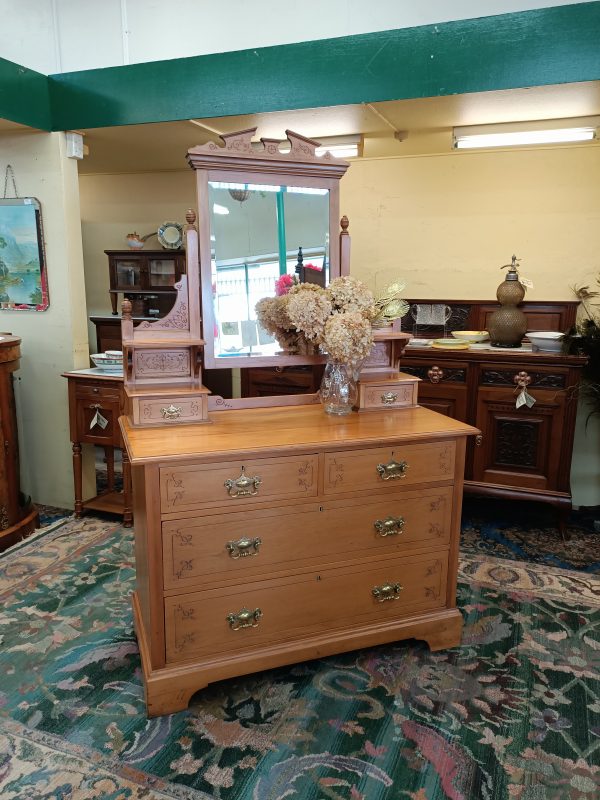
[126,309]
[190,216]
[344,222]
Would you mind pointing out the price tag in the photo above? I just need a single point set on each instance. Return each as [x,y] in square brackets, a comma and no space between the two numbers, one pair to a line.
[526,282]
[524,399]
[99,420]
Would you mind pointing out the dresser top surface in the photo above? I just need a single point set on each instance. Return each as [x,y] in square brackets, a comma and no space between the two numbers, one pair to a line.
[286,429]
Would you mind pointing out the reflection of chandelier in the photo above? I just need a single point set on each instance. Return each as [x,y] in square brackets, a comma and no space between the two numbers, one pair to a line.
[240,194]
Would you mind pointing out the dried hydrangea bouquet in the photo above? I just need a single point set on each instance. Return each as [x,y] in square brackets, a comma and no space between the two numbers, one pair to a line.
[338,321]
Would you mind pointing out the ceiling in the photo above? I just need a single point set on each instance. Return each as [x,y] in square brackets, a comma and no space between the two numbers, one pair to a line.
[425,125]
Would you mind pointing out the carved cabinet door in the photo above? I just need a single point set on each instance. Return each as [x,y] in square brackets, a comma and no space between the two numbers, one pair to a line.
[521,447]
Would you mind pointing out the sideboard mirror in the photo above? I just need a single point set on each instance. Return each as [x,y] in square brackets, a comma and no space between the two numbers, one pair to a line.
[266,209]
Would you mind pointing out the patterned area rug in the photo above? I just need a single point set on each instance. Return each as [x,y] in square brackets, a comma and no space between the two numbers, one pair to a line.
[513,713]
[529,532]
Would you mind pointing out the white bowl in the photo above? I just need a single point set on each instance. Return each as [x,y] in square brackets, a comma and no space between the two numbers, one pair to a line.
[471,336]
[547,341]
[108,363]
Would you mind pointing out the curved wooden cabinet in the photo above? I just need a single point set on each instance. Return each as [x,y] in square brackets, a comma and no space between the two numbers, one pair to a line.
[18,516]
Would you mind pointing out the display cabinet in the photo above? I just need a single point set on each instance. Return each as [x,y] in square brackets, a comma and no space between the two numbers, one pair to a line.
[146,277]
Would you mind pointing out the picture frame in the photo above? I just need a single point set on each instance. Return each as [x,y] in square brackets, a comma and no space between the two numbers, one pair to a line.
[23,277]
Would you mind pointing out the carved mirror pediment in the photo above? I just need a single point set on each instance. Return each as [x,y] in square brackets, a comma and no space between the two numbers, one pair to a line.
[266,209]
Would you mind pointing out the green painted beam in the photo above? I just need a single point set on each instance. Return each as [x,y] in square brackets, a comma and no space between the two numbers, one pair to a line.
[531,48]
[24,96]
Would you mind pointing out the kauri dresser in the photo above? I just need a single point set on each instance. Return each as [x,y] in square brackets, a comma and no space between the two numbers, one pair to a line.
[273,535]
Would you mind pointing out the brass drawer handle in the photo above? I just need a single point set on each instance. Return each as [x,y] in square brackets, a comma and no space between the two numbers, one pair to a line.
[171,412]
[244,486]
[435,374]
[388,398]
[95,406]
[390,526]
[393,470]
[244,619]
[244,547]
[522,379]
[389,591]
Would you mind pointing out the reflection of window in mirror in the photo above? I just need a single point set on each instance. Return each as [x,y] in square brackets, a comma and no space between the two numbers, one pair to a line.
[256,233]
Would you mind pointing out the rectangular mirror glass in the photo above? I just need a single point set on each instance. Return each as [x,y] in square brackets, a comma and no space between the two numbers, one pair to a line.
[257,231]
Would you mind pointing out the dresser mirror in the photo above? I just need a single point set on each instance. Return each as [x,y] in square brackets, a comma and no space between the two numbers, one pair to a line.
[266,209]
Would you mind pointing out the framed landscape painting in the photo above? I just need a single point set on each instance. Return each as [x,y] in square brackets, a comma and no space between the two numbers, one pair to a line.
[23,279]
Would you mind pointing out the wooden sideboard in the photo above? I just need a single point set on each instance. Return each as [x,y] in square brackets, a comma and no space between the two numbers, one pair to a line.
[522,453]
[280,534]
[91,391]
[18,516]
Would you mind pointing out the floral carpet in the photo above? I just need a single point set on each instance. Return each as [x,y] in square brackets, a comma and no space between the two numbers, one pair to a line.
[513,713]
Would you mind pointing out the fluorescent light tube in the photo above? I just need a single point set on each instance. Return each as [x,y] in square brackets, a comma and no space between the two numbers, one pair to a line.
[515,138]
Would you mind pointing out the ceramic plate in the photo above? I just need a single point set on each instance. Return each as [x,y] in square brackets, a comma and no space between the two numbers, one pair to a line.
[170,235]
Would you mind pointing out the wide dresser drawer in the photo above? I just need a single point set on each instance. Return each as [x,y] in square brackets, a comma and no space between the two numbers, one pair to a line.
[238,483]
[239,546]
[242,618]
[383,468]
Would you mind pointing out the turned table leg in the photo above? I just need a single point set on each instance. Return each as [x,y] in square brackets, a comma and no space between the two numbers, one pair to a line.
[127,509]
[109,459]
[77,478]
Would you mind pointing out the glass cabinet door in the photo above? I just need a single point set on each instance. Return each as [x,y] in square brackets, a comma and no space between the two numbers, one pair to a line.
[161,273]
[128,274]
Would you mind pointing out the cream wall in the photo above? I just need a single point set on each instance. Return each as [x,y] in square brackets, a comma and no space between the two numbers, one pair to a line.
[442,223]
[54,340]
[446,223]
[67,35]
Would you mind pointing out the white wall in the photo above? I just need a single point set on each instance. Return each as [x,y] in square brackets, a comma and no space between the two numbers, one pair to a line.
[67,35]
[54,340]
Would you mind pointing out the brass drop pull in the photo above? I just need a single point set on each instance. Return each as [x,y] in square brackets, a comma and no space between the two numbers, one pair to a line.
[389,591]
[388,398]
[244,619]
[95,406]
[390,526]
[244,486]
[479,440]
[171,412]
[393,470]
[522,379]
[435,374]
[244,547]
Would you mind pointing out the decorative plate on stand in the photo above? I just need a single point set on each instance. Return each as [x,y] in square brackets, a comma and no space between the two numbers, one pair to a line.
[170,235]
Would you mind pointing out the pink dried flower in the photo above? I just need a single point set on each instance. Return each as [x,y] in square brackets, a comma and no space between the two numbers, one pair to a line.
[283,284]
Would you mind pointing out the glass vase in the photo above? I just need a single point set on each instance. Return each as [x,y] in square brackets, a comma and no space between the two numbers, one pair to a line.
[338,392]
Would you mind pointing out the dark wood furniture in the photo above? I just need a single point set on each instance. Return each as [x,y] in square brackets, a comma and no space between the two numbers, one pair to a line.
[18,516]
[146,277]
[275,535]
[90,391]
[522,453]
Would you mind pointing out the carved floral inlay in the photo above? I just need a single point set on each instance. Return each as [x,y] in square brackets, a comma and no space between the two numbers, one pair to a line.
[184,614]
[154,362]
[445,459]
[541,380]
[437,504]
[185,565]
[336,473]
[305,475]
[435,529]
[175,489]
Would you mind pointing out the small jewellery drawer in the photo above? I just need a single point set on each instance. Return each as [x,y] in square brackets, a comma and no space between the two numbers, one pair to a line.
[97,392]
[234,547]
[232,620]
[388,467]
[169,410]
[238,483]
[387,395]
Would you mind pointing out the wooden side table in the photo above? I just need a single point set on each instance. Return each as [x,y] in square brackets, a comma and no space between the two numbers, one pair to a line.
[96,401]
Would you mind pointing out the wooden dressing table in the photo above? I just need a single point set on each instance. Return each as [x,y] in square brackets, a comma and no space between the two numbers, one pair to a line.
[272,532]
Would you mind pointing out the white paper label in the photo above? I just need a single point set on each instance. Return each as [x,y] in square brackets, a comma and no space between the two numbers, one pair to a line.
[524,399]
[99,420]
[526,282]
